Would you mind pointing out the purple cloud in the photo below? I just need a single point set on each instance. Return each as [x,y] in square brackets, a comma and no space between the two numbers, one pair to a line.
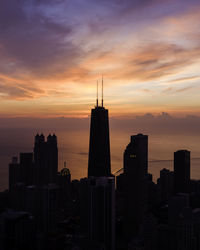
[30,40]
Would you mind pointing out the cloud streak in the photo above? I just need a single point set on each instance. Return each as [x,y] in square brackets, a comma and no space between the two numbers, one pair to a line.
[30,41]
[55,50]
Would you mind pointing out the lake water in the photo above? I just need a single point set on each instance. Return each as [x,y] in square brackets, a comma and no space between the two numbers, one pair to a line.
[73,148]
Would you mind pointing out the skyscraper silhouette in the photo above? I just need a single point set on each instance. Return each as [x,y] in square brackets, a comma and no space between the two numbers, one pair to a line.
[46,159]
[99,148]
[39,159]
[135,171]
[181,171]
[98,209]
[52,157]
[14,173]
[26,165]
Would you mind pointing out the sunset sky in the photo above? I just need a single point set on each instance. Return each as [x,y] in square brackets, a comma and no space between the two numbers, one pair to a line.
[53,51]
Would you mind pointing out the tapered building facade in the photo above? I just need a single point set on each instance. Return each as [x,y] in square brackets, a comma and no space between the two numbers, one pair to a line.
[98,190]
[99,148]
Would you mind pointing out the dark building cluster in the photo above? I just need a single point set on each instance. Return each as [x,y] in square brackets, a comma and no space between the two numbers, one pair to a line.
[45,210]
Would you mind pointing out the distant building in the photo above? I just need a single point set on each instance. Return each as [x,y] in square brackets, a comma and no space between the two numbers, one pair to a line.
[98,210]
[38,168]
[163,237]
[64,183]
[184,224]
[176,205]
[52,157]
[120,182]
[166,184]
[153,193]
[45,159]
[33,182]
[136,181]
[27,168]
[150,232]
[31,198]
[14,173]
[181,171]
[136,154]
[48,198]
[188,229]
[64,179]
[41,170]
[17,231]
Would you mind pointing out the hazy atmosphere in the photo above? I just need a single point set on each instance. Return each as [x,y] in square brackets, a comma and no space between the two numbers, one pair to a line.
[166,135]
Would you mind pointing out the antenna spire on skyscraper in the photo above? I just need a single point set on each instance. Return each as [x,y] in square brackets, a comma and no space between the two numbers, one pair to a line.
[97,93]
[102,91]
[99,147]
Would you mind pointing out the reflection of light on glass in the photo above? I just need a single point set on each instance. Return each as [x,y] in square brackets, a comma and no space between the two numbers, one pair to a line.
[132,156]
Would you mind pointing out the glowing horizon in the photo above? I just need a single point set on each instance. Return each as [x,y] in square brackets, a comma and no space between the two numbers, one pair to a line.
[52,53]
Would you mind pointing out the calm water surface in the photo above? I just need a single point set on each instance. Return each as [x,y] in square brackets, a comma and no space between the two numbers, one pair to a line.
[73,148]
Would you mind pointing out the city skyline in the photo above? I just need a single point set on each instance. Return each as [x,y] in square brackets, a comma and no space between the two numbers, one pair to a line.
[117,173]
[52,53]
[171,134]
[41,198]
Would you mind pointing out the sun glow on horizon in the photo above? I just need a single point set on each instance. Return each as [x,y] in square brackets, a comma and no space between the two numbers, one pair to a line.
[52,71]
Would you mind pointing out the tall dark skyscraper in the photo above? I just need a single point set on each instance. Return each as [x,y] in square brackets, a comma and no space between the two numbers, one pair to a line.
[136,155]
[26,165]
[14,173]
[22,171]
[52,157]
[39,159]
[46,159]
[135,174]
[98,210]
[99,148]
[181,171]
